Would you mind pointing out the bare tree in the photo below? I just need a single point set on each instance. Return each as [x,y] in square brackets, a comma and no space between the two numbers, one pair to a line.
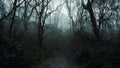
[2,14]
[12,12]
[70,12]
[88,7]
[13,17]
[43,13]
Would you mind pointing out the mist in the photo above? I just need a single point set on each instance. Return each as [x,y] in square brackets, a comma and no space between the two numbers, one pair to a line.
[59,34]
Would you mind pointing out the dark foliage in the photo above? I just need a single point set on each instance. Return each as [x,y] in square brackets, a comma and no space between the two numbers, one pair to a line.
[33,31]
[13,56]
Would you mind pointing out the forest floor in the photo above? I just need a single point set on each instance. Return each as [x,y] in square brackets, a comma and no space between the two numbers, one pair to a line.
[57,62]
[59,57]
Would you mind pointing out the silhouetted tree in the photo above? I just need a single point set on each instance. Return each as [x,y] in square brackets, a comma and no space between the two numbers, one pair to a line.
[88,7]
[70,12]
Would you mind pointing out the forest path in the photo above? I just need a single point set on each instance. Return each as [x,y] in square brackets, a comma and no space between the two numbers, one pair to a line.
[60,51]
[57,62]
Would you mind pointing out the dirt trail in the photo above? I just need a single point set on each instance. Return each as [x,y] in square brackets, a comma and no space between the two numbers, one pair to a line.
[59,52]
[57,62]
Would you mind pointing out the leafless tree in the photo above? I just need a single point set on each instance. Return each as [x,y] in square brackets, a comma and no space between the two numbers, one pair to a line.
[70,12]
[43,13]
[12,12]
[88,7]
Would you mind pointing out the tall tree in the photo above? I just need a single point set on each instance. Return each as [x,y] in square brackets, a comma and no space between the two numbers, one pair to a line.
[2,14]
[43,13]
[70,12]
[13,17]
[89,8]
[11,12]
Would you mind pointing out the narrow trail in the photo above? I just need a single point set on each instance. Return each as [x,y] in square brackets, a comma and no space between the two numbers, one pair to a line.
[59,53]
[57,62]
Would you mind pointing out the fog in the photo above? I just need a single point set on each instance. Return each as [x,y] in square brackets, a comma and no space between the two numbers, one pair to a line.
[59,34]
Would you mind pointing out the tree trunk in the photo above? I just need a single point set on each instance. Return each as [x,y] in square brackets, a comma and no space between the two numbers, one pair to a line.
[13,18]
[12,23]
[41,26]
[93,20]
[1,26]
[94,25]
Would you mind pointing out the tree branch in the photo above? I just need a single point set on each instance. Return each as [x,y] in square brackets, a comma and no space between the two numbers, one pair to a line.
[14,7]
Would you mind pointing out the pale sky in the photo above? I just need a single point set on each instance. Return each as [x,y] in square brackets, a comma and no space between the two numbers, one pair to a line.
[64,24]
[64,19]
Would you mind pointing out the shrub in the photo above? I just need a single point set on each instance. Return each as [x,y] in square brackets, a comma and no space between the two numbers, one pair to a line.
[13,56]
